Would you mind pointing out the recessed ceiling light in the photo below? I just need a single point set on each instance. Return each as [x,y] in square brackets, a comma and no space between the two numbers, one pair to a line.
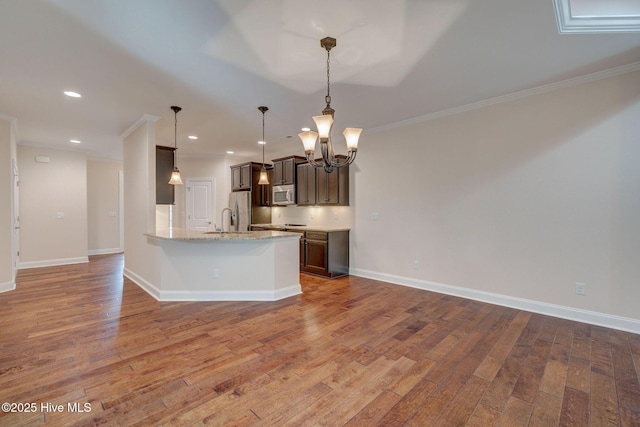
[229,152]
[305,129]
[75,141]
[72,94]
[262,142]
[192,137]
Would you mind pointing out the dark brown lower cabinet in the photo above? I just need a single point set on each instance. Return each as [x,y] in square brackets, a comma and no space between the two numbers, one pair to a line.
[325,253]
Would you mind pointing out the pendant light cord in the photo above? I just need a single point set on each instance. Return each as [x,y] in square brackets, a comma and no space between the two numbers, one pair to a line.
[263,141]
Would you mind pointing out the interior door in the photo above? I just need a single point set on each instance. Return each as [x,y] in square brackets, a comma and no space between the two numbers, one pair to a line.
[200,204]
[16,217]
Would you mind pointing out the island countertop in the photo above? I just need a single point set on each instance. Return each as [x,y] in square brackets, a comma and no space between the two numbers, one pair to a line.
[182,234]
[298,227]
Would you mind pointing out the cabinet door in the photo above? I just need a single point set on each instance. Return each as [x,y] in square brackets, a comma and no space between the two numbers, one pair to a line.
[265,190]
[327,186]
[306,188]
[278,173]
[316,256]
[236,177]
[288,172]
[245,176]
[165,192]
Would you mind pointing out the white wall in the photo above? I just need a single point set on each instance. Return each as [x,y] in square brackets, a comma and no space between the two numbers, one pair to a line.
[47,189]
[7,157]
[139,158]
[103,177]
[520,199]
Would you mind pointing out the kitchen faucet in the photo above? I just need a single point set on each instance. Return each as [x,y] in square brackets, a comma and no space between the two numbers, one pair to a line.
[222,219]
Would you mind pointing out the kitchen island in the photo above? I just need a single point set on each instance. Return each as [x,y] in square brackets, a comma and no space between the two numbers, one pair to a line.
[232,266]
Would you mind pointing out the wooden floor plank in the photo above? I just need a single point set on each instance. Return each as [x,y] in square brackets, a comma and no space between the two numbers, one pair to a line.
[516,413]
[575,408]
[350,351]
[546,410]
[603,401]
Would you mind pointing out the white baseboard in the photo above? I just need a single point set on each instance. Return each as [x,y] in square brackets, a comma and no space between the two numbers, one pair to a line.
[104,251]
[146,286]
[230,295]
[52,262]
[570,313]
[161,295]
[8,286]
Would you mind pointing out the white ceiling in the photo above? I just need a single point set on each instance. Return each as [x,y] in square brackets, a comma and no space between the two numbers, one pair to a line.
[219,60]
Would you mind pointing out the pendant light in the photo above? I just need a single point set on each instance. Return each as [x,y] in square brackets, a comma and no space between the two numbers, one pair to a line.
[175,174]
[324,123]
[264,178]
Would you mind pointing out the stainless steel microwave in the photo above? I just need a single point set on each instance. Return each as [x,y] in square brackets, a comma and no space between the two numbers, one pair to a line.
[284,195]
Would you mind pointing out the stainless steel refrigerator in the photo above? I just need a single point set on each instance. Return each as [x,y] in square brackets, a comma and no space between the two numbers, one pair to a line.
[240,205]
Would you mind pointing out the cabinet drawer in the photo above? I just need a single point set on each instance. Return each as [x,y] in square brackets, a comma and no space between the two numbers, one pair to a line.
[316,235]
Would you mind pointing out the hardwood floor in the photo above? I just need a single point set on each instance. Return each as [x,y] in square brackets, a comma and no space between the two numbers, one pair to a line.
[348,351]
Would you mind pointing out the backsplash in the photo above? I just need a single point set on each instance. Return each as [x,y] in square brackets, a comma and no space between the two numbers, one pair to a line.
[335,216]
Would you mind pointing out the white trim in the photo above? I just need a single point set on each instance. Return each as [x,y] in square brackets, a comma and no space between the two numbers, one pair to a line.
[143,118]
[629,68]
[7,117]
[8,286]
[121,208]
[160,295]
[568,23]
[230,295]
[146,286]
[576,314]
[104,251]
[52,262]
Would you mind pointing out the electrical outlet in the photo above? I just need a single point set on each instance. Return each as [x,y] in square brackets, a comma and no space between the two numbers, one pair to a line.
[416,264]
[59,215]
[581,289]
[216,273]
[375,216]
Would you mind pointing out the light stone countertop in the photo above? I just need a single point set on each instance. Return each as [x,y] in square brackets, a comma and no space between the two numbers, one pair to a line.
[321,228]
[182,234]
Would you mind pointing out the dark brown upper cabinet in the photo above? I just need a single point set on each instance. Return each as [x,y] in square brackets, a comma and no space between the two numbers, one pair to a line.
[165,192]
[241,177]
[284,170]
[317,187]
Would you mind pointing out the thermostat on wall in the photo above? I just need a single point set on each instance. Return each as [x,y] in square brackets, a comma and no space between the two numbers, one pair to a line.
[42,159]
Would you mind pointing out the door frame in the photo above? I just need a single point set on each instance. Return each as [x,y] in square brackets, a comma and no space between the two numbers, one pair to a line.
[15,247]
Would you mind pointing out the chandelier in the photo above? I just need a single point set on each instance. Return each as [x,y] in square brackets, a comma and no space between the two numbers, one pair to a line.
[324,123]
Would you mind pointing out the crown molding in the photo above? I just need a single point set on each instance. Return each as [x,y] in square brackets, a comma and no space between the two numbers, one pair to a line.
[7,117]
[142,119]
[570,23]
[635,66]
